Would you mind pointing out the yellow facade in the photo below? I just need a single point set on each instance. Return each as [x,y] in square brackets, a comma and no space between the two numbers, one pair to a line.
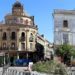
[18,34]
[19,38]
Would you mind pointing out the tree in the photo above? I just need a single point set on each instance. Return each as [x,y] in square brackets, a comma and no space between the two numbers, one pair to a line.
[50,67]
[65,51]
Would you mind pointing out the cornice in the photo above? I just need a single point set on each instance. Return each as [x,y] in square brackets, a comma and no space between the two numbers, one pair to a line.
[19,25]
[59,11]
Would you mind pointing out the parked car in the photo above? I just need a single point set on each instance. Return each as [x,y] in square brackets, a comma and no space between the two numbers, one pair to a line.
[22,62]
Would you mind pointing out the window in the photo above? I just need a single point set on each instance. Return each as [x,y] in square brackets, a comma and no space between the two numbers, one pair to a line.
[13,45]
[31,37]
[22,46]
[65,38]
[14,20]
[26,22]
[31,46]
[21,20]
[4,45]
[31,23]
[4,36]
[13,36]
[23,36]
[65,23]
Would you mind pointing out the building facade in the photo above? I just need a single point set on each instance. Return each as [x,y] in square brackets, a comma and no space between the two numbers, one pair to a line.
[64,27]
[19,36]
[18,33]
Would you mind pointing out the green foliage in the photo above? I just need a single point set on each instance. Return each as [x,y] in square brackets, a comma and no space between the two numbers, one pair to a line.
[65,49]
[60,69]
[1,60]
[50,67]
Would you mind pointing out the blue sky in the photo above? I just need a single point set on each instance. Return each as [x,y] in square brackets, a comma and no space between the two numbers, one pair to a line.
[42,10]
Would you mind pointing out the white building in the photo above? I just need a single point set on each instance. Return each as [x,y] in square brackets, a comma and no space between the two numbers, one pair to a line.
[64,27]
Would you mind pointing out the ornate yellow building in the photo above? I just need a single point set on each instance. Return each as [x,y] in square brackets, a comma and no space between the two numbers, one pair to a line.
[18,33]
[19,37]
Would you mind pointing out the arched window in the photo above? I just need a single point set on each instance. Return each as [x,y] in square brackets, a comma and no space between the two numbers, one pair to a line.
[31,37]
[23,36]
[13,35]
[4,36]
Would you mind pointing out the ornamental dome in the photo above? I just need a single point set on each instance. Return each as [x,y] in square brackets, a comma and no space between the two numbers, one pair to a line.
[17,8]
[17,4]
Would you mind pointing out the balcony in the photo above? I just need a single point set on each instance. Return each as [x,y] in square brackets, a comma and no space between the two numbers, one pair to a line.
[13,48]
[22,39]
[3,48]
[13,38]
[4,38]
[65,29]
[31,39]
[9,48]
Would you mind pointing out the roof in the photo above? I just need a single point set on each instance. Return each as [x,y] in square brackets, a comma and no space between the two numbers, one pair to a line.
[62,11]
[17,4]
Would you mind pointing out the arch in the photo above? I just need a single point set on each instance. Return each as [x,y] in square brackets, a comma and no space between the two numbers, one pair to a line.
[4,36]
[13,35]
[23,36]
[39,51]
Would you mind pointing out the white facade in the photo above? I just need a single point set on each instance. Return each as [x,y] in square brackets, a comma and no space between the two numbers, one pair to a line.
[61,33]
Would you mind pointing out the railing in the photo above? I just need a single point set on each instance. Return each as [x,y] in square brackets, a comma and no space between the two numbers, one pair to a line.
[19,71]
[22,39]
[71,70]
[7,48]
[15,72]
